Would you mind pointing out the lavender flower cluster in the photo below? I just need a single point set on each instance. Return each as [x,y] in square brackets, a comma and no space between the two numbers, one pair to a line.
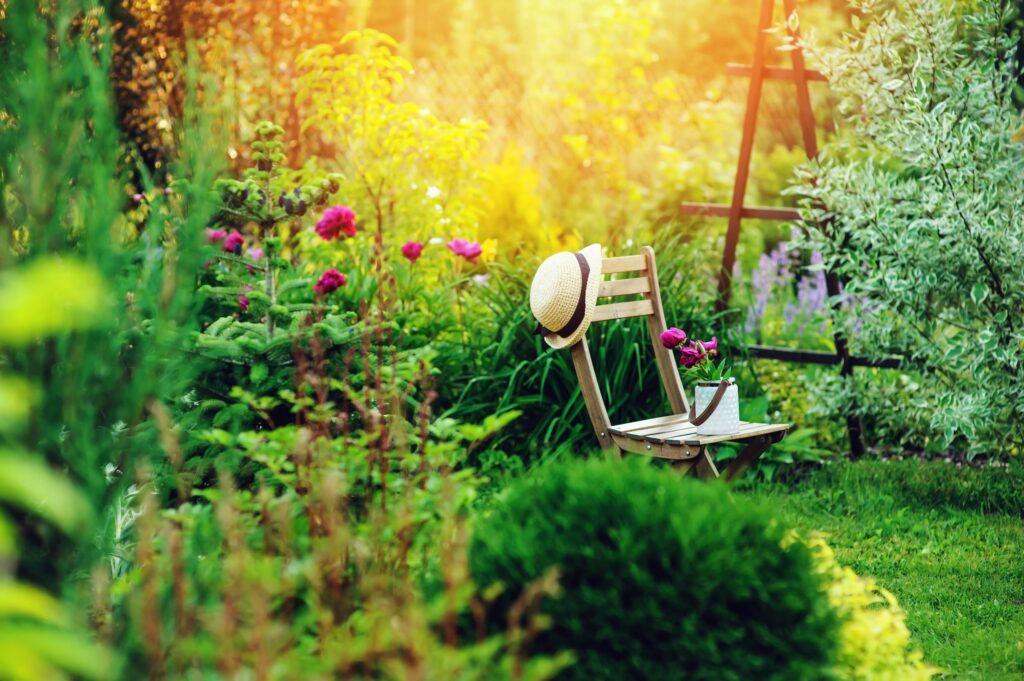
[777,271]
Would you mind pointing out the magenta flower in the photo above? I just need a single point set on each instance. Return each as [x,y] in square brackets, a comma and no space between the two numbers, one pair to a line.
[233,242]
[215,235]
[470,250]
[330,281]
[337,220]
[711,346]
[672,337]
[690,355]
[243,303]
[412,250]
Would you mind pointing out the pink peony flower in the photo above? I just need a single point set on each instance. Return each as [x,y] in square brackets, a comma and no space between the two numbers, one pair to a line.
[215,235]
[243,303]
[690,355]
[255,253]
[330,281]
[337,220]
[469,250]
[412,250]
[672,337]
[457,246]
[233,242]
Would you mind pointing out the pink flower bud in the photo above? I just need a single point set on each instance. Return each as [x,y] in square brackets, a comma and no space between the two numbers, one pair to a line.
[711,346]
[412,250]
[233,242]
[330,281]
[672,337]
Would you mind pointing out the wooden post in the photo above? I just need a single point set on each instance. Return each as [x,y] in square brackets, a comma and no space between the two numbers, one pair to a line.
[739,189]
[758,71]
[854,426]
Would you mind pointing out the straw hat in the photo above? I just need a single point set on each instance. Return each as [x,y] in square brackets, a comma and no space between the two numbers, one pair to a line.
[564,294]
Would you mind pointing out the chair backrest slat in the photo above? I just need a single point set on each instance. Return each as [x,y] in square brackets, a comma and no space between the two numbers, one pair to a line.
[632,308]
[649,306]
[624,287]
[626,263]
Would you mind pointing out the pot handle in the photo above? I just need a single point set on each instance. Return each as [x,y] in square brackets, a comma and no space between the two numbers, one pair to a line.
[710,409]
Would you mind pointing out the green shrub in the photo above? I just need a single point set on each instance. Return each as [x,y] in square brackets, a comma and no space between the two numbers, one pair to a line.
[661,578]
[916,206]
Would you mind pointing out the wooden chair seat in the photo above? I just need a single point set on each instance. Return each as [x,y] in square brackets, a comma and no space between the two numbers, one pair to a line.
[670,437]
[676,430]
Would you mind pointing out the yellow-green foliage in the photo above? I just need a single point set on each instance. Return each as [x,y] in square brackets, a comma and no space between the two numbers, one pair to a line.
[510,212]
[46,296]
[406,166]
[874,642]
[607,96]
[772,171]
[614,112]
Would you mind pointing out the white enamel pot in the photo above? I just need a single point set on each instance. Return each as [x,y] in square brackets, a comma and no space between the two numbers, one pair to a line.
[725,419]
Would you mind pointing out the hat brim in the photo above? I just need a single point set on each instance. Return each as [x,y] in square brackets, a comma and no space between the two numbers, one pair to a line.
[592,254]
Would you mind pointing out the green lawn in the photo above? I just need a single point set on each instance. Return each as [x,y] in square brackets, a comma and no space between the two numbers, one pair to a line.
[948,542]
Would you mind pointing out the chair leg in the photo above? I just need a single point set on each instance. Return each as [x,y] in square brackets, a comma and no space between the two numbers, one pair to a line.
[747,456]
[706,469]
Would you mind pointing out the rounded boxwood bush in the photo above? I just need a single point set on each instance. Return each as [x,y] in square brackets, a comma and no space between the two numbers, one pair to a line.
[661,577]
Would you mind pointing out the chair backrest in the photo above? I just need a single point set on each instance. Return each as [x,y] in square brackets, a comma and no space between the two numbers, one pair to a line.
[644,284]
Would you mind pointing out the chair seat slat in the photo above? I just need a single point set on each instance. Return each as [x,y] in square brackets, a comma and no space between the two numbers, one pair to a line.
[655,421]
[746,432]
[671,433]
[661,433]
[658,428]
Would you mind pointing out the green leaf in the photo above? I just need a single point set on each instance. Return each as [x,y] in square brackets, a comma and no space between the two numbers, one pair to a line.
[23,600]
[979,292]
[49,295]
[33,652]
[16,396]
[258,373]
[29,483]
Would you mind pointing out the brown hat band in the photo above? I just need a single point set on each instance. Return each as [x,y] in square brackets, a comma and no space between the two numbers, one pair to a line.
[581,305]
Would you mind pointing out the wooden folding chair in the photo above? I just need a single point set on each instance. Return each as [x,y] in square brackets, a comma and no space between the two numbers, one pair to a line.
[668,437]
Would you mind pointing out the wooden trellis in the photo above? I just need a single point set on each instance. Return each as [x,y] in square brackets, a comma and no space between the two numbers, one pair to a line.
[758,71]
